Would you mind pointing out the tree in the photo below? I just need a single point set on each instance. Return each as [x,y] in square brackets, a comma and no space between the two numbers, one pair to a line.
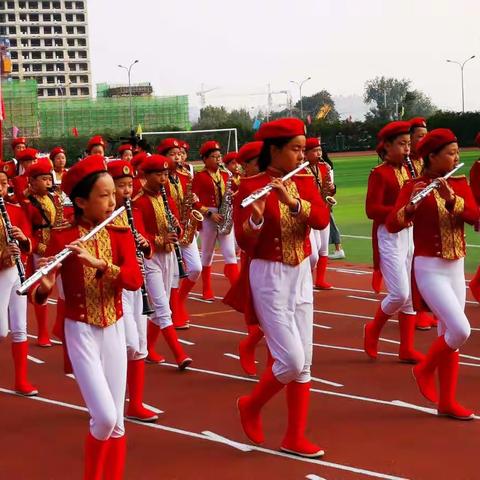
[313,103]
[211,117]
[418,104]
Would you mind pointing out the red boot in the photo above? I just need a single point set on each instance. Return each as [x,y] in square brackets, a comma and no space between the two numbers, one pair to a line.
[42,335]
[250,406]
[320,283]
[153,331]
[207,284]
[298,397]
[377,279]
[136,382]
[423,321]
[372,333]
[185,288]
[475,285]
[22,385]
[182,359]
[246,349]
[231,272]
[407,352]
[448,377]
[115,459]
[424,372]
[174,306]
[95,454]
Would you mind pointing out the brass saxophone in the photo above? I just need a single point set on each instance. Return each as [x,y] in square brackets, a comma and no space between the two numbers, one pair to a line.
[226,207]
[190,217]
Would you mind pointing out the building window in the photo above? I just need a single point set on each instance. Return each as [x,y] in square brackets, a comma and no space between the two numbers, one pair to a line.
[11,17]
[71,42]
[33,5]
[15,67]
[12,30]
[57,17]
[59,55]
[56,5]
[68,5]
[84,90]
[60,67]
[73,67]
[51,92]
[80,17]
[82,54]
[37,67]
[26,55]
[47,17]
[45,5]
[83,67]
[57,29]
[81,30]
[35,42]
[82,42]
[49,55]
[69,17]
[59,42]
[71,54]
[73,91]
[47,30]
[34,17]
[36,55]
[48,42]
[14,55]
[35,30]
[22,4]
[80,5]
[61,79]
[49,67]
[24,30]
[70,30]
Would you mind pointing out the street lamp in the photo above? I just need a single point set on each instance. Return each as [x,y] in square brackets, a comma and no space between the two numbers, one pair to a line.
[300,85]
[128,69]
[461,72]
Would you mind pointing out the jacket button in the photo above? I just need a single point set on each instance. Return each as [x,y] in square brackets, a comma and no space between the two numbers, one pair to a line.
[438,253]
[81,305]
[277,248]
[276,240]
[81,317]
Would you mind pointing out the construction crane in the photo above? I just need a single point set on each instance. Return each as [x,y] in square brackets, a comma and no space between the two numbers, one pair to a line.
[202,93]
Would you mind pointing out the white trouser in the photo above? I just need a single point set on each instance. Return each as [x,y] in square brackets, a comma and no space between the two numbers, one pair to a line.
[283,301]
[135,324]
[159,272]
[208,237]
[442,285]
[13,307]
[99,361]
[191,257]
[396,254]
[319,240]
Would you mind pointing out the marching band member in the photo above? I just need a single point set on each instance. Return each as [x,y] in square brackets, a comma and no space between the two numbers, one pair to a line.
[25,158]
[274,233]
[475,186]
[134,319]
[59,160]
[248,158]
[96,146]
[126,152]
[161,268]
[94,277]
[184,149]
[18,144]
[393,252]
[13,307]
[230,161]
[438,229]
[418,129]
[180,187]
[138,180]
[319,238]
[210,186]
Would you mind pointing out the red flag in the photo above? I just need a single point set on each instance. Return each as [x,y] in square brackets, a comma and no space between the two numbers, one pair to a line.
[75,131]
[309,119]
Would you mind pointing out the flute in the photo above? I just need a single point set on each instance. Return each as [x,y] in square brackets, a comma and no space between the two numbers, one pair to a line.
[430,188]
[63,254]
[10,239]
[261,192]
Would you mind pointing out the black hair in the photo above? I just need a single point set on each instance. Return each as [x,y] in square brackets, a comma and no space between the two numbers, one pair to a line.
[144,145]
[209,152]
[426,161]
[83,189]
[325,156]
[265,157]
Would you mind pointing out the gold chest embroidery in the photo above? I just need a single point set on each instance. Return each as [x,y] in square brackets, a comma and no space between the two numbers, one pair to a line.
[121,220]
[218,182]
[160,215]
[401,175]
[50,212]
[177,192]
[3,243]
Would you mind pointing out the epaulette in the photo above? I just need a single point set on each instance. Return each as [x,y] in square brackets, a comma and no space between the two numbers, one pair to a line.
[62,227]
[457,177]
[251,176]
[118,228]
[138,195]
[303,175]
[378,166]
[181,172]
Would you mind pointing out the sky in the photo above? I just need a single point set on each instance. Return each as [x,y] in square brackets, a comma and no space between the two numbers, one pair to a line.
[239,47]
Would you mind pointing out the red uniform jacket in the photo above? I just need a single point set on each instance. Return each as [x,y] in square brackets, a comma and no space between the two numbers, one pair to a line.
[91,296]
[417,163]
[475,181]
[208,192]
[20,185]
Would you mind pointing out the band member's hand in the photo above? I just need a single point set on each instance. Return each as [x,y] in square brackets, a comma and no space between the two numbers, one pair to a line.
[143,241]
[175,222]
[85,257]
[258,208]
[10,250]
[282,193]
[445,190]
[172,237]
[410,208]
[47,282]
[18,234]
[217,218]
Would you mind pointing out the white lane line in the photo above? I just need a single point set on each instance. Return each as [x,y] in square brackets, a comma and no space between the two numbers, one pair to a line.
[351,349]
[217,439]
[35,359]
[363,298]
[53,341]
[351,271]
[311,476]
[232,355]
[325,327]
[431,411]
[185,342]
[204,327]
[146,405]
[351,315]
[389,341]
[226,441]
[327,382]
[199,299]
[199,295]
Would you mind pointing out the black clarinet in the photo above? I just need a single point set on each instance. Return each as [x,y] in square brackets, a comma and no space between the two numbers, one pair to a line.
[147,308]
[410,166]
[10,239]
[172,229]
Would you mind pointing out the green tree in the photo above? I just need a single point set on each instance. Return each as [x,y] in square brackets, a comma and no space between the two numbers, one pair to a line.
[211,117]
[418,104]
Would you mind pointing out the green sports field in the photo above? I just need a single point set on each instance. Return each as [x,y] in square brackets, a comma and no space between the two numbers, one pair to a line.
[351,174]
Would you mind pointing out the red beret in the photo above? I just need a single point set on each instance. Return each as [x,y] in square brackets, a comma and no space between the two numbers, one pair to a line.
[157,163]
[230,156]
[123,147]
[208,146]
[477,139]
[120,169]
[18,141]
[43,166]
[418,122]
[55,151]
[283,128]
[8,168]
[185,145]
[95,140]
[168,143]
[82,169]
[434,141]
[26,155]
[138,158]
[249,151]
[312,142]
[393,129]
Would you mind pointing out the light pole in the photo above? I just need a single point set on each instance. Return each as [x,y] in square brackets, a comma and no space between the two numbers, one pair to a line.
[462,65]
[300,85]
[129,69]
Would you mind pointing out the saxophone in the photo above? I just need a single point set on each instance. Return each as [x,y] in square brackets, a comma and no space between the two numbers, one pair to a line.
[226,207]
[190,217]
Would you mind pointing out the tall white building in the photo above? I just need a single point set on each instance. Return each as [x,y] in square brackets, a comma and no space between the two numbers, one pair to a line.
[49,43]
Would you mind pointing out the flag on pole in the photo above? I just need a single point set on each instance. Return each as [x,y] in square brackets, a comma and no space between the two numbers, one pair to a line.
[323,111]
[75,131]
[256,124]
[15,131]
[402,112]
[309,119]
[139,130]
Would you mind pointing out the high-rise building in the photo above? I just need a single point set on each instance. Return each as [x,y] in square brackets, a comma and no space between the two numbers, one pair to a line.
[49,43]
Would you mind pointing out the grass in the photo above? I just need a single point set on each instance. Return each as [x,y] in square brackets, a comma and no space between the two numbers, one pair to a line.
[351,176]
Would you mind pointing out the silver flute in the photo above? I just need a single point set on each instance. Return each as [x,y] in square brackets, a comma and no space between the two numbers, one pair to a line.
[63,254]
[261,192]
[432,186]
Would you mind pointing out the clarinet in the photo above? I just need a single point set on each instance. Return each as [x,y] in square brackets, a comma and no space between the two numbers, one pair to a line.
[10,239]
[410,166]
[147,308]
[172,229]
